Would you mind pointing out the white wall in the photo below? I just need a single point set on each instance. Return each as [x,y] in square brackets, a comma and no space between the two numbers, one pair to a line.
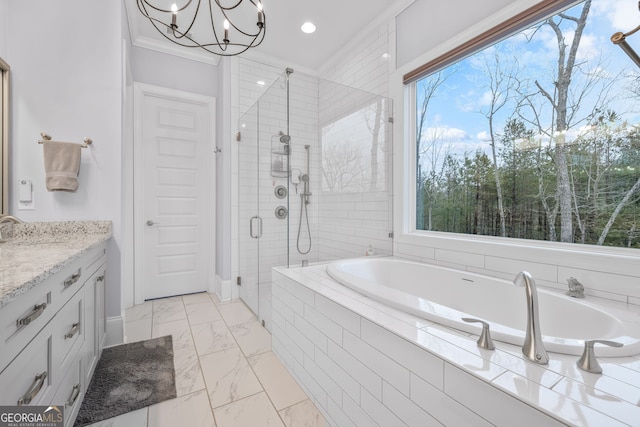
[66,81]
[173,72]
[426,24]
[4,22]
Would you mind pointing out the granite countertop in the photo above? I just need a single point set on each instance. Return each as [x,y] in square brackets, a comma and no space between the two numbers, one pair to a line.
[38,250]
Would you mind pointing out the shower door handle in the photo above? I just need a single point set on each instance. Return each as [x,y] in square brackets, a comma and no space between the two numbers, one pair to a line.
[259,227]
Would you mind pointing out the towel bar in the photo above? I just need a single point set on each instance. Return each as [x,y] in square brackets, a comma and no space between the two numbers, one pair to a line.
[46,137]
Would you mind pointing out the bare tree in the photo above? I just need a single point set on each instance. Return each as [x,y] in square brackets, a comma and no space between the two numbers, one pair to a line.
[428,88]
[501,84]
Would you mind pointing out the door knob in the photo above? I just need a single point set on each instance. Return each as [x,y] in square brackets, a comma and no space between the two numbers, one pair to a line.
[150,223]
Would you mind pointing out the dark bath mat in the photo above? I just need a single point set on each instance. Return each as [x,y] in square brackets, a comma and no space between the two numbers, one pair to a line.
[129,377]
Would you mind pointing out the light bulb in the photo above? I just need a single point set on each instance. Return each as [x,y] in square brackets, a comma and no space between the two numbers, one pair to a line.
[174,14]
[260,22]
[226,31]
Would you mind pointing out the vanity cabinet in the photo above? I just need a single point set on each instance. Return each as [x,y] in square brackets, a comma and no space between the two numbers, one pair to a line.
[52,336]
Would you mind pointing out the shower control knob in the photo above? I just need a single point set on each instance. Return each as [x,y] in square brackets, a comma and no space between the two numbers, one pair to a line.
[281,212]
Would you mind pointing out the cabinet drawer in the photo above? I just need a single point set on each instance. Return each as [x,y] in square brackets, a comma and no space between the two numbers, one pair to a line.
[23,318]
[71,391]
[68,331]
[79,271]
[28,379]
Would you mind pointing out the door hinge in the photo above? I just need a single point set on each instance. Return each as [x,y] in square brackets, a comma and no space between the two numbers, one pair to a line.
[238,281]
[390,119]
[391,235]
[238,136]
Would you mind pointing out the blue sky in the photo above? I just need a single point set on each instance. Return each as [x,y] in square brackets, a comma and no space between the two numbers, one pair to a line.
[457,113]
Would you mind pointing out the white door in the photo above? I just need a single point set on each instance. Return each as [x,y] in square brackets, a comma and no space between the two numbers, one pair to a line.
[173,192]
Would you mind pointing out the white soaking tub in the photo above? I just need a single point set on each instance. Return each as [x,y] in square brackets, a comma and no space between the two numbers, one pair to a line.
[445,295]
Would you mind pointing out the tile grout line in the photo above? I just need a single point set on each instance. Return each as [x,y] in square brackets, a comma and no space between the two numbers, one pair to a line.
[195,349]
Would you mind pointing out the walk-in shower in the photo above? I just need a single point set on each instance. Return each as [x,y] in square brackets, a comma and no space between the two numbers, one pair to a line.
[314,179]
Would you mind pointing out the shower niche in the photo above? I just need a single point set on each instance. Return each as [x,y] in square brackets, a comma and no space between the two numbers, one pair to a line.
[301,142]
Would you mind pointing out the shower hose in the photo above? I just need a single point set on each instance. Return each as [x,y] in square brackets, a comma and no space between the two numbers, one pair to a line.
[303,207]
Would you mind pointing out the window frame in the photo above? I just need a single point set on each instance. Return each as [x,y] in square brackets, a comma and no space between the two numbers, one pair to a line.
[444,247]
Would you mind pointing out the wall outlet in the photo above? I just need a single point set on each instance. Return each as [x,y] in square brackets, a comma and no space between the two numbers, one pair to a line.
[25,195]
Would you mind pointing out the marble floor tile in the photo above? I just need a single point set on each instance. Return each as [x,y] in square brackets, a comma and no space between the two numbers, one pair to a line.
[228,376]
[280,386]
[178,329]
[139,312]
[202,313]
[198,298]
[130,419]
[215,299]
[138,330]
[235,313]
[168,310]
[192,410]
[252,338]
[211,337]
[252,411]
[188,373]
[303,414]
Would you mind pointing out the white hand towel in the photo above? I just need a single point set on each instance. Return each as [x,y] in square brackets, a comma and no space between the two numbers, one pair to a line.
[62,165]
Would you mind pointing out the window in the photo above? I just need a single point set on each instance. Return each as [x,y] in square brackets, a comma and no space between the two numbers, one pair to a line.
[534,137]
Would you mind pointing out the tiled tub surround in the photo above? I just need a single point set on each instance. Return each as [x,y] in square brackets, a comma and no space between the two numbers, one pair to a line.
[368,364]
[36,251]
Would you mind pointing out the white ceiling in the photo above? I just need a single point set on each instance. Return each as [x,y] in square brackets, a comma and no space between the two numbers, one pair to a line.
[337,21]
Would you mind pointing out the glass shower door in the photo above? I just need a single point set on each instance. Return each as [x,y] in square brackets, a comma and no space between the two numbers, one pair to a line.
[250,222]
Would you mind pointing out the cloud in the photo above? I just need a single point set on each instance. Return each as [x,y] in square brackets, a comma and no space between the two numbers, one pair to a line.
[483,136]
[622,14]
[444,134]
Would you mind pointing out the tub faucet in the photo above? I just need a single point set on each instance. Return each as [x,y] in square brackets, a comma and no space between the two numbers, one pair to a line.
[533,347]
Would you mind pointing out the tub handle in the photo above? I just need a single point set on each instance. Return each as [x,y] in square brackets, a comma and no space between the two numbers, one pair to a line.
[485,340]
[588,361]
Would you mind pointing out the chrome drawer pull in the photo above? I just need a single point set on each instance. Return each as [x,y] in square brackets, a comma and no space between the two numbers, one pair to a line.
[37,311]
[74,330]
[33,391]
[74,396]
[72,279]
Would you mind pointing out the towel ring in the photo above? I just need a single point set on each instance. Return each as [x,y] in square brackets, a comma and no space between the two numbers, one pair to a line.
[46,137]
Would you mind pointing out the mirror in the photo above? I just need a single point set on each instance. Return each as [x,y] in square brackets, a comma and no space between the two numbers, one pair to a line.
[4,137]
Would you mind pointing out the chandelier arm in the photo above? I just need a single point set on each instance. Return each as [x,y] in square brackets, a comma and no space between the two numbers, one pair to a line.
[163,10]
[213,25]
[229,7]
[260,30]
[185,32]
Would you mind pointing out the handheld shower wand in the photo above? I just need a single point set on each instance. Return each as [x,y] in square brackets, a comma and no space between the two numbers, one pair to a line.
[304,202]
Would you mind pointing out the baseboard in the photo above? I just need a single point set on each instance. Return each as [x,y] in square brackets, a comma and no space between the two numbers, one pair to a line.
[115,331]
[223,289]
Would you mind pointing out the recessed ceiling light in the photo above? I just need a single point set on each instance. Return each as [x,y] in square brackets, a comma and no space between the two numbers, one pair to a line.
[308,27]
[260,82]
[385,56]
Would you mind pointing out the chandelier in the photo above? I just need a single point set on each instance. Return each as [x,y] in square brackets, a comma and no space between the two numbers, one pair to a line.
[243,23]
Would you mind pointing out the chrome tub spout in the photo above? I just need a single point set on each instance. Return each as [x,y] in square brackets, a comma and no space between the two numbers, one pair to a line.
[533,347]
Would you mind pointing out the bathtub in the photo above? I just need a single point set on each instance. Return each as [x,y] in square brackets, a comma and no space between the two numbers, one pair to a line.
[444,295]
